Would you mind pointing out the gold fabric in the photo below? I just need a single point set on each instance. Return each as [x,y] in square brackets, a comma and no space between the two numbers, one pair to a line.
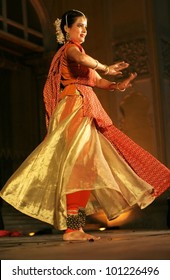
[74,156]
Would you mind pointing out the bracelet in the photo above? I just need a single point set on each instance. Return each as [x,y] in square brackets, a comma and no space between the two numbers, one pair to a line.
[117,86]
[113,83]
[106,71]
[97,63]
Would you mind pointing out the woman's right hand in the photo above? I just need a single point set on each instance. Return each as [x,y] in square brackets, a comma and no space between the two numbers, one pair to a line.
[122,86]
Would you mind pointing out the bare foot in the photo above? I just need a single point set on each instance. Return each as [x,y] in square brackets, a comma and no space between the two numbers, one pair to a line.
[78,235]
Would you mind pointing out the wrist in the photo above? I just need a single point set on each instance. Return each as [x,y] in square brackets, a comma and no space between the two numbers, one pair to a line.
[118,87]
[106,69]
[113,86]
[97,64]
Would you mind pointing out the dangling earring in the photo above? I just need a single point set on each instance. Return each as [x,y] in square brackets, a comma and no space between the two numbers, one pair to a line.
[67,36]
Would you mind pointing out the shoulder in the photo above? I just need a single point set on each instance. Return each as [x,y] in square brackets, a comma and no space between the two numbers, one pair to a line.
[74,45]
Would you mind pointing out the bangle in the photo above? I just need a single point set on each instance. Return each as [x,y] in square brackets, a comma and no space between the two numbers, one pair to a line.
[106,70]
[97,63]
[113,83]
[117,86]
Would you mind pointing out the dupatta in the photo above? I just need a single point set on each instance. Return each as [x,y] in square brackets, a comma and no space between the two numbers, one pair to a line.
[145,165]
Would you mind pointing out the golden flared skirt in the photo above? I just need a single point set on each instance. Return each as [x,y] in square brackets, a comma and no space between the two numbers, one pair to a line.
[74,156]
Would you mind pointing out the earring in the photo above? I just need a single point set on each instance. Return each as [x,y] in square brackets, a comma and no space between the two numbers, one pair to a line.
[67,37]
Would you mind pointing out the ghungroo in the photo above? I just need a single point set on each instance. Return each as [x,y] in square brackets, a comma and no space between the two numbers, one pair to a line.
[73,221]
[76,221]
[82,217]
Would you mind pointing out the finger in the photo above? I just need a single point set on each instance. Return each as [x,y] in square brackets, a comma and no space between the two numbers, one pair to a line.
[118,73]
[122,65]
[114,72]
[132,76]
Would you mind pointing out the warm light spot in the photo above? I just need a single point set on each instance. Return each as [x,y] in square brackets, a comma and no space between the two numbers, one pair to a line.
[121,220]
[102,228]
[101,220]
[31,233]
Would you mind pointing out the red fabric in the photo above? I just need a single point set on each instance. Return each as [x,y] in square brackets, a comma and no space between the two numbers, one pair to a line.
[4,233]
[77,200]
[53,83]
[144,164]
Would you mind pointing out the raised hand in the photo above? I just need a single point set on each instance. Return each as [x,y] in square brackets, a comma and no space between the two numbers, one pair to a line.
[126,83]
[116,68]
[123,85]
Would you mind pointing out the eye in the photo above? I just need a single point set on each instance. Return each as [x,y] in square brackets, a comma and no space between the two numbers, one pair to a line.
[82,25]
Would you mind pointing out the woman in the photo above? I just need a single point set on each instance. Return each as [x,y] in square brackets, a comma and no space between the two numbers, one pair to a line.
[85,163]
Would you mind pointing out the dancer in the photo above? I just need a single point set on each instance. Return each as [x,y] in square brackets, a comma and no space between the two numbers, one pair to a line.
[85,163]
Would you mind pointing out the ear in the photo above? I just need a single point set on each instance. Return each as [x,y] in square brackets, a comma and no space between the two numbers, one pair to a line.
[66,28]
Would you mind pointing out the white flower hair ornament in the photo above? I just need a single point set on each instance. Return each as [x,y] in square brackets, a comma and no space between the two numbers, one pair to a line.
[59,33]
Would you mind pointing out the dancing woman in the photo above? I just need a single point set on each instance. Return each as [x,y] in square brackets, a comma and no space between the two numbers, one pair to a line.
[85,163]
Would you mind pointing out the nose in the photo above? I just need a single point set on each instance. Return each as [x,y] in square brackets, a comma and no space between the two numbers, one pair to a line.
[84,29]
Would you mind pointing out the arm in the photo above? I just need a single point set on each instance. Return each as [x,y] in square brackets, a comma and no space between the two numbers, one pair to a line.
[76,55]
[121,86]
[104,83]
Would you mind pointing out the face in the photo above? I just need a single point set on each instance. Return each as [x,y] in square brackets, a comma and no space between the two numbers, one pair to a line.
[78,30]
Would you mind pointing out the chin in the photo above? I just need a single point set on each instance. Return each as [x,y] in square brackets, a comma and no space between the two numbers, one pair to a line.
[82,41]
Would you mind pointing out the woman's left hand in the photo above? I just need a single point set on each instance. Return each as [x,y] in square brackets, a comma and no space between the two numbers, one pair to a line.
[116,68]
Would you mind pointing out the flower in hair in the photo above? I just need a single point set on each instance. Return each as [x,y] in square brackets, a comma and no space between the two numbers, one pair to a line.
[59,33]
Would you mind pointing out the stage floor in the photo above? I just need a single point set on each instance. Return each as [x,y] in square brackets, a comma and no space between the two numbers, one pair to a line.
[113,245]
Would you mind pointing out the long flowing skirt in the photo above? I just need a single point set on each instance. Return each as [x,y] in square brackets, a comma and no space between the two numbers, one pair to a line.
[74,156]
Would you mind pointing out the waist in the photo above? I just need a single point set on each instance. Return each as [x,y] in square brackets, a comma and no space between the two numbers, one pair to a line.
[69,90]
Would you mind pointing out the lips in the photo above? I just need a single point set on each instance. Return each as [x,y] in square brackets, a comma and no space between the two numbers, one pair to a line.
[82,35]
